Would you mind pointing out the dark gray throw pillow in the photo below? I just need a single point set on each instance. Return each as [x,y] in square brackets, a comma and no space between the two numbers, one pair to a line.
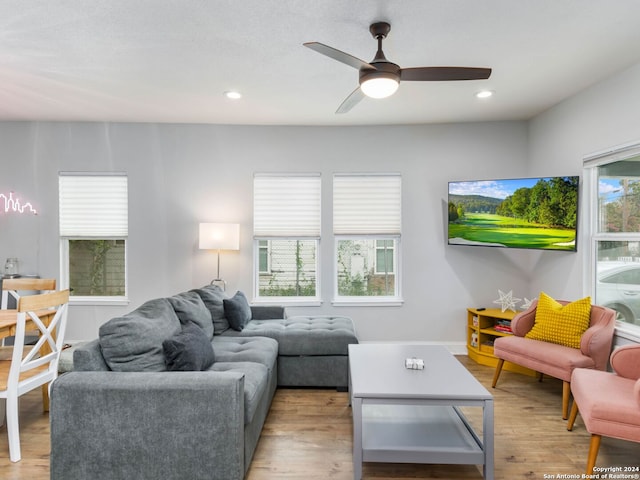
[189,350]
[237,311]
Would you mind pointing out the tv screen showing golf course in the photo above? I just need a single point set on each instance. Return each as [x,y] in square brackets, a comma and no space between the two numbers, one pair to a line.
[534,213]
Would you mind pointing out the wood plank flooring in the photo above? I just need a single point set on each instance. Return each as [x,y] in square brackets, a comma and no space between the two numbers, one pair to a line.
[308,436]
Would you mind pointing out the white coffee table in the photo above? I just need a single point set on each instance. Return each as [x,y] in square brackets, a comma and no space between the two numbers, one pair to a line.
[412,416]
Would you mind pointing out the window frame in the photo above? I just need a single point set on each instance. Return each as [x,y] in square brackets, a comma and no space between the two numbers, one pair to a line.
[95,299]
[591,165]
[368,300]
[306,235]
[288,300]
[367,229]
[65,260]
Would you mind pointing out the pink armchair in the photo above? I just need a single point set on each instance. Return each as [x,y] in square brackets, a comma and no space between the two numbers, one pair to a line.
[609,403]
[555,360]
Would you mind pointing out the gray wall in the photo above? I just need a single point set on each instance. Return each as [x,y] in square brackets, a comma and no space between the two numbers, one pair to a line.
[180,175]
[603,116]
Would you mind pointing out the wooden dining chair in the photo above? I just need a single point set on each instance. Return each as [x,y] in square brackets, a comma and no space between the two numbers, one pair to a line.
[13,286]
[32,366]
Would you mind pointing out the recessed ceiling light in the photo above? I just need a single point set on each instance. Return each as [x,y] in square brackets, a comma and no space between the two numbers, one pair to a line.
[484,94]
[233,95]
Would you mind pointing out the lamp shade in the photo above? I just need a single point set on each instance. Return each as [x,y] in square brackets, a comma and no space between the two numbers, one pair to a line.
[219,236]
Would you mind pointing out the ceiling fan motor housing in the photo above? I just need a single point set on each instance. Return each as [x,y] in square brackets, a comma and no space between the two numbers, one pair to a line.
[382,70]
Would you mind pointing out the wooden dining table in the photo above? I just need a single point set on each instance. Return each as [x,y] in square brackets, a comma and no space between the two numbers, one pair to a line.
[8,321]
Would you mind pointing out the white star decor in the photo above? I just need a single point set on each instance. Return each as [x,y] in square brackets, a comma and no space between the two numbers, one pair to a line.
[507,301]
[526,303]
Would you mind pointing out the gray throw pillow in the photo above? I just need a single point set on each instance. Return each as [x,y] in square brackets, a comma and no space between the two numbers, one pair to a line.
[237,311]
[189,350]
[190,308]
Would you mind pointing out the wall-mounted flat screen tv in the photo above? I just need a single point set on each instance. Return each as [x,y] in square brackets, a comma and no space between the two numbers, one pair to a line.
[535,213]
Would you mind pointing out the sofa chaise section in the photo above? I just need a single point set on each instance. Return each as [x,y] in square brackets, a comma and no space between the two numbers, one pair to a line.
[312,350]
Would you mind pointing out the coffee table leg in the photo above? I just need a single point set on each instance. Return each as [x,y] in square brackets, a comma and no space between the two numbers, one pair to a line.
[356,409]
[487,433]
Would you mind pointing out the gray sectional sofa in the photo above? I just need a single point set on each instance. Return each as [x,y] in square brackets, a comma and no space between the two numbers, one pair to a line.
[123,412]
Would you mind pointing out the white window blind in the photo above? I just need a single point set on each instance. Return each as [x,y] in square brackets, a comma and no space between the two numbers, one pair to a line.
[93,205]
[367,204]
[286,206]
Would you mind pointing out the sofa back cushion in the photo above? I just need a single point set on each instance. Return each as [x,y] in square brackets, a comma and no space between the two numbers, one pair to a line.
[213,298]
[133,342]
[189,307]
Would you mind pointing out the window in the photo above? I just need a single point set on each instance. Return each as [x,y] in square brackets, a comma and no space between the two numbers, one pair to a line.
[366,225]
[286,228]
[384,256]
[263,257]
[614,186]
[93,236]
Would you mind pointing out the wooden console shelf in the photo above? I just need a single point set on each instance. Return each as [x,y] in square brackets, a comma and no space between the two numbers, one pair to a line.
[481,332]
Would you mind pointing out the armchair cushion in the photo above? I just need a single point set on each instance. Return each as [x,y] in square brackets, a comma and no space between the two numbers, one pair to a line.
[607,403]
[561,324]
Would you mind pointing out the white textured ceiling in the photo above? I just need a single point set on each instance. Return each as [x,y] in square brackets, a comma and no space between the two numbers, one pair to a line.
[171,60]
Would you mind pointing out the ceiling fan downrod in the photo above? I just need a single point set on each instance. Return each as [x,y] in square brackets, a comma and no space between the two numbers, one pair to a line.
[379,31]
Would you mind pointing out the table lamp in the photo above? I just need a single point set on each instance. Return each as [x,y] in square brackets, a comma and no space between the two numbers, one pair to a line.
[219,236]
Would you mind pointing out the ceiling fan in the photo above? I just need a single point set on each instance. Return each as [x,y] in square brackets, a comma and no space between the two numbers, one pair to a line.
[380,78]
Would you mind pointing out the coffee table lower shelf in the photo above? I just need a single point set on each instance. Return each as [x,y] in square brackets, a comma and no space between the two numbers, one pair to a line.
[418,434]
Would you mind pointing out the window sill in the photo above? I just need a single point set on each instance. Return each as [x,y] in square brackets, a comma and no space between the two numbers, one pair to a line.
[628,332]
[367,302]
[288,302]
[99,301]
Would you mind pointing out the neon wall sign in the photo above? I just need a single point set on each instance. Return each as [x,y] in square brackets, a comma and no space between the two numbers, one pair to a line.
[15,205]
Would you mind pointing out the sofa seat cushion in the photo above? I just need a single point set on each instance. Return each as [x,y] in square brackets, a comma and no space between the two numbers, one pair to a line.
[549,358]
[260,350]
[133,342]
[255,383]
[304,335]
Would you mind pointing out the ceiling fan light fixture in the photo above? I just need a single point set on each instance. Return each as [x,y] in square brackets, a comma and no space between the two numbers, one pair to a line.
[379,87]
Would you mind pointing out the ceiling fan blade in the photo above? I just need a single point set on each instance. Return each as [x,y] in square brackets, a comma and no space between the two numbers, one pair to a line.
[351,101]
[337,55]
[435,74]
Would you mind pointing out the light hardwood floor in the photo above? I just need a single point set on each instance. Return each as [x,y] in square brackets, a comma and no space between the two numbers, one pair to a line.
[308,436]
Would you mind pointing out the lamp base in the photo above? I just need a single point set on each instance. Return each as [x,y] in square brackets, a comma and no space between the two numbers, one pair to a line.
[220,283]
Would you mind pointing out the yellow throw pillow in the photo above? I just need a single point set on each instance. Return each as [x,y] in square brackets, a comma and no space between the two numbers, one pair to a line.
[561,324]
